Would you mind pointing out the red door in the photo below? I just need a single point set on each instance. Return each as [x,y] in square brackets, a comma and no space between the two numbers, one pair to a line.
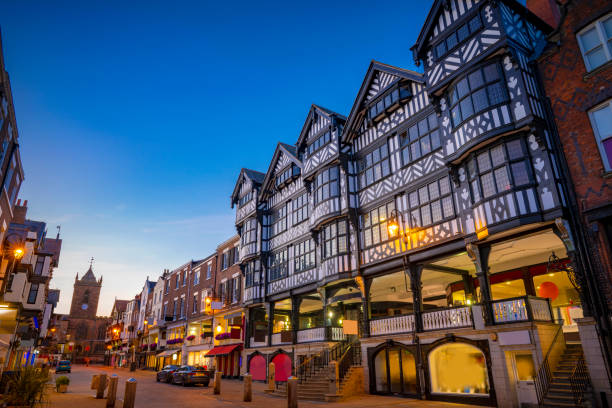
[257,367]
[282,367]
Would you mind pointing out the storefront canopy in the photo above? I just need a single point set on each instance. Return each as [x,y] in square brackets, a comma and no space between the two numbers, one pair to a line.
[166,353]
[223,350]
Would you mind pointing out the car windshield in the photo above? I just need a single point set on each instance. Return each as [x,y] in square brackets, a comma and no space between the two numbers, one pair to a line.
[169,367]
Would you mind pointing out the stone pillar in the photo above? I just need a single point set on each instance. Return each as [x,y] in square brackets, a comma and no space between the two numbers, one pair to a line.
[415,271]
[247,395]
[333,377]
[129,397]
[271,376]
[594,358]
[101,386]
[479,254]
[292,397]
[217,389]
[112,391]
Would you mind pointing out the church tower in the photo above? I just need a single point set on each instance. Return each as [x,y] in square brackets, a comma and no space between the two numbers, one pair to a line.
[85,296]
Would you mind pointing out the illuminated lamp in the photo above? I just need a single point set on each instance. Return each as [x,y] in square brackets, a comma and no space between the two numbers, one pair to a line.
[549,290]
[219,328]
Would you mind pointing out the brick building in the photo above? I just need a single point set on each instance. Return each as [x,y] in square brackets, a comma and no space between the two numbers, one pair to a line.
[576,73]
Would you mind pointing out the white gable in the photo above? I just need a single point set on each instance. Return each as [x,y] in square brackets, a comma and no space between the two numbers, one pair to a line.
[381,81]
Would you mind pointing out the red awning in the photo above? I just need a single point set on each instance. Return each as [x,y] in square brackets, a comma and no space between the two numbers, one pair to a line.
[223,350]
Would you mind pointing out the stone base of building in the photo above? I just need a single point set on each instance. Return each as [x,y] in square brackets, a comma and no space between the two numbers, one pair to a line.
[594,358]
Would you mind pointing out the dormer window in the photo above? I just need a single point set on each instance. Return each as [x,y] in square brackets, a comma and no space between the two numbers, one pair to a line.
[389,101]
[287,175]
[457,37]
[319,143]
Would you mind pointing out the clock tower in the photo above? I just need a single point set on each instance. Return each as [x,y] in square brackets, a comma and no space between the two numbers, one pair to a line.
[85,296]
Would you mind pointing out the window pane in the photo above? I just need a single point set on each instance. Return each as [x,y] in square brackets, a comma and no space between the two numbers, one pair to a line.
[596,57]
[476,80]
[590,39]
[377,172]
[425,145]
[447,205]
[501,177]
[440,49]
[433,191]
[423,195]
[607,145]
[384,151]
[436,211]
[491,73]
[497,93]
[480,100]
[414,133]
[475,190]
[607,26]
[474,24]
[423,126]
[519,173]
[463,32]
[462,88]
[515,150]
[444,186]
[406,155]
[435,140]
[425,215]
[451,41]
[497,155]
[415,150]
[415,218]
[433,121]
[603,121]
[488,185]
[414,199]
[456,115]
[484,163]
[466,108]
[386,170]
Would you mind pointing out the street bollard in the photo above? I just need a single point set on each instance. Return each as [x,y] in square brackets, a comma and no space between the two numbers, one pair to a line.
[112,391]
[94,381]
[130,393]
[101,386]
[292,397]
[271,376]
[217,382]
[248,388]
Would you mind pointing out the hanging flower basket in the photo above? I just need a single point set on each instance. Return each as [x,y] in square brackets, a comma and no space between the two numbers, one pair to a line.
[152,346]
[222,336]
[191,337]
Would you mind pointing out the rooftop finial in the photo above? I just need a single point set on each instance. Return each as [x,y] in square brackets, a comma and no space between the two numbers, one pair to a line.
[91,262]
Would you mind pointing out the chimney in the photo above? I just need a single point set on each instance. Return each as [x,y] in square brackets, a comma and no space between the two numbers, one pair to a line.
[19,212]
[547,10]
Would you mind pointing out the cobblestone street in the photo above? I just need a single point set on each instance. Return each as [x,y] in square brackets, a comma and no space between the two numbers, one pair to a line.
[151,394]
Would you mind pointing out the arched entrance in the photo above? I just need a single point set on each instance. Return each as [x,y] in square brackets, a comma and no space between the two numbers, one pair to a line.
[257,367]
[394,371]
[282,367]
[459,371]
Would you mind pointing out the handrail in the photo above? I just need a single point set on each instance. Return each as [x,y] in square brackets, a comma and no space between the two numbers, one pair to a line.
[350,356]
[544,375]
[579,381]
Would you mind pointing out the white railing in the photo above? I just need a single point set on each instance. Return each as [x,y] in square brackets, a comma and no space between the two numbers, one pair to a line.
[540,310]
[254,343]
[447,318]
[390,325]
[337,334]
[308,335]
[512,310]
[276,339]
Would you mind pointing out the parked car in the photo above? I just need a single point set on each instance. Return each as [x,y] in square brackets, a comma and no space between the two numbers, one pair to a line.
[63,366]
[165,374]
[191,375]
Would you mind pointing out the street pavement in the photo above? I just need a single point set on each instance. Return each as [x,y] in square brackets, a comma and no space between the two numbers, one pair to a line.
[151,394]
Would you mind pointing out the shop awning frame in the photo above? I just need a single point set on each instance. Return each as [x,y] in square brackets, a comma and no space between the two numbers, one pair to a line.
[166,353]
[223,350]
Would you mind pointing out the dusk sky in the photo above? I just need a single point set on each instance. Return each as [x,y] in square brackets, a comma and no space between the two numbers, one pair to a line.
[136,117]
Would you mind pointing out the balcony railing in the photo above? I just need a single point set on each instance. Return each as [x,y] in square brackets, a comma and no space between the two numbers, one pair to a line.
[253,343]
[337,334]
[391,325]
[308,335]
[448,318]
[521,309]
[277,339]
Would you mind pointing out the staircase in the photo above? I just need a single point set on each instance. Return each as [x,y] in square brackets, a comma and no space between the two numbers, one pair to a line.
[569,380]
[316,388]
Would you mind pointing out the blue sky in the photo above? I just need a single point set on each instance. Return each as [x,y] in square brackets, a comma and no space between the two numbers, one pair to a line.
[136,117]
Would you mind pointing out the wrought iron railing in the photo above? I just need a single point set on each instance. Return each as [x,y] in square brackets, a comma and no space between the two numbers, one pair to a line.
[579,381]
[351,357]
[544,375]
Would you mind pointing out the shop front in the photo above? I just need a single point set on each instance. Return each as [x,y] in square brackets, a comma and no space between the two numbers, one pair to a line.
[228,359]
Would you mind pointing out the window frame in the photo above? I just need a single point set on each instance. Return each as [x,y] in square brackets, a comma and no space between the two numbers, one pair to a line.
[598,25]
[429,202]
[599,139]
[456,101]
[32,285]
[320,138]
[299,211]
[363,167]
[249,232]
[319,184]
[278,268]
[279,220]
[301,255]
[389,100]
[455,32]
[40,260]
[334,239]
[406,141]
[245,199]
[367,227]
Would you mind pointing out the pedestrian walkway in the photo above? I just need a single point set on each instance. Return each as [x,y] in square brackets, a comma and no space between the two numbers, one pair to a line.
[151,394]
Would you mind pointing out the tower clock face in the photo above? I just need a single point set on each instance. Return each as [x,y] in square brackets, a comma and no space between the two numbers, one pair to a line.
[84,306]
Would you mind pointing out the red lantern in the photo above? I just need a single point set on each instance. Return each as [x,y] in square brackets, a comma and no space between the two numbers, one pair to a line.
[549,290]
[86,348]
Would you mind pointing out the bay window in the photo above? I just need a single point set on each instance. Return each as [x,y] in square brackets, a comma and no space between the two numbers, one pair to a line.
[431,204]
[319,142]
[277,265]
[480,90]
[334,238]
[304,255]
[326,185]
[300,209]
[374,166]
[249,232]
[374,225]
[420,139]
[279,220]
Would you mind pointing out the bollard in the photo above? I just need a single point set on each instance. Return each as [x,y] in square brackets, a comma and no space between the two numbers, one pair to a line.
[112,391]
[130,393]
[248,388]
[101,386]
[292,397]
[217,382]
[94,381]
[271,376]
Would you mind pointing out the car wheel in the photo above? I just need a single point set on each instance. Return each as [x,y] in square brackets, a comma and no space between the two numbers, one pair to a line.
[184,383]
[157,378]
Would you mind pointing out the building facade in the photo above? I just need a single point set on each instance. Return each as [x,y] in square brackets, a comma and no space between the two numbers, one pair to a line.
[427,233]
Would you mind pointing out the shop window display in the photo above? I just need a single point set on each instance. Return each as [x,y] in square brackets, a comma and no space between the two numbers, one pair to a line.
[458,368]
[564,298]
[395,370]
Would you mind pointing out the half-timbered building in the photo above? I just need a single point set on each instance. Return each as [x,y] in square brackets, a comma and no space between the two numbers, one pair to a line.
[422,237]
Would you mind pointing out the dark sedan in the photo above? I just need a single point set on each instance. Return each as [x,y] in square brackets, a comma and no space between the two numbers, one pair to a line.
[165,374]
[191,375]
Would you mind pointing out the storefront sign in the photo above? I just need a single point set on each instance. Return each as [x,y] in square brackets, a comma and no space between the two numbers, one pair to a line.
[350,327]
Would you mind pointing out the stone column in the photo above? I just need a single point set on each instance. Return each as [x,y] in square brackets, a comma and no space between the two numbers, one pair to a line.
[247,394]
[479,254]
[594,358]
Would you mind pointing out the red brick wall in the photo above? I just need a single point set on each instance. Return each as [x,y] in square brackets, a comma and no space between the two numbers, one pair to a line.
[572,92]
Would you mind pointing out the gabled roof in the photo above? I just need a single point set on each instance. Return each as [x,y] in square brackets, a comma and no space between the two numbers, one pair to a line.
[316,110]
[255,176]
[120,305]
[89,276]
[378,83]
[281,148]
[440,5]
